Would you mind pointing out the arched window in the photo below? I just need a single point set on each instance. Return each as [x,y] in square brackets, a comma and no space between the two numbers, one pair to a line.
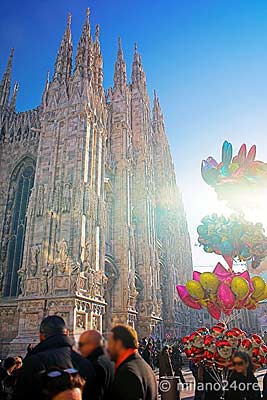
[20,187]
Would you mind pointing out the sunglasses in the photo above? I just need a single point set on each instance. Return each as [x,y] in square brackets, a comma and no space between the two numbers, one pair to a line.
[238,363]
[56,374]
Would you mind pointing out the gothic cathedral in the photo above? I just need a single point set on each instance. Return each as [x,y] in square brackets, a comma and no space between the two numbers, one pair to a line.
[92,223]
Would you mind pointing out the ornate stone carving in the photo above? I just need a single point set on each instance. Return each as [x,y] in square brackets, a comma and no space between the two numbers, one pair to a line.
[66,200]
[63,259]
[40,201]
[87,253]
[46,279]
[22,273]
[80,321]
[34,259]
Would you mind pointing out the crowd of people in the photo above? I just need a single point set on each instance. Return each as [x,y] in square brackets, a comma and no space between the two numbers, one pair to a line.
[121,369]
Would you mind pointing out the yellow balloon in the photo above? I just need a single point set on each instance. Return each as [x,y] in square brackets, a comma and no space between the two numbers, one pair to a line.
[240,287]
[195,290]
[263,296]
[209,282]
[259,286]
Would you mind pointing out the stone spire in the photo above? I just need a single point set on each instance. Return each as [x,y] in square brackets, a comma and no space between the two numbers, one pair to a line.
[6,82]
[120,70]
[157,113]
[98,63]
[14,97]
[138,75]
[83,62]
[63,65]
[45,92]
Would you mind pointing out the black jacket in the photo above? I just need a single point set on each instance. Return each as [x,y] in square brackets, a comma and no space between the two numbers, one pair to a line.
[165,365]
[147,356]
[242,387]
[55,351]
[104,370]
[134,380]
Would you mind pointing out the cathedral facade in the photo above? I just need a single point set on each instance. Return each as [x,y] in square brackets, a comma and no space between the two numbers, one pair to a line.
[92,222]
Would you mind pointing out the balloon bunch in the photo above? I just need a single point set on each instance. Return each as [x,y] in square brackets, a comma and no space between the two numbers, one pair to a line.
[233,237]
[222,291]
[241,172]
[215,347]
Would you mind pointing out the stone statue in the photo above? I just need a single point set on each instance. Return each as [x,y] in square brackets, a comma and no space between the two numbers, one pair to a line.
[74,277]
[46,279]
[34,259]
[66,201]
[131,281]
[22,280]
[40,201]
[90,275]
[63,260]
[63,250]
[87,256]
[56,198]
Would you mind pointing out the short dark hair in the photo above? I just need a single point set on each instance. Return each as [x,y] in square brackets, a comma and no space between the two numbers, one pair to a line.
[65,381]
[9,362]
[53,325]
[127,335]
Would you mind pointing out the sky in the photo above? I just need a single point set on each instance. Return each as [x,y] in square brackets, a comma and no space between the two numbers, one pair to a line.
[207,59]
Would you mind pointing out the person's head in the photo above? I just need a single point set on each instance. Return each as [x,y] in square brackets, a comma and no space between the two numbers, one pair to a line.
[51,326]
[165,350]
[90,341]
[242,363]
[62,385]
[19,362]
[10,364]
[150,346]
[122,338]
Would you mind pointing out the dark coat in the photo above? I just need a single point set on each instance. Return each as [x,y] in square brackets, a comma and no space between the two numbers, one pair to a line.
[147,356]
[176,359]
[212,378]
[104,370]
[236,381]
[55,351]
[134,380]
[165,365]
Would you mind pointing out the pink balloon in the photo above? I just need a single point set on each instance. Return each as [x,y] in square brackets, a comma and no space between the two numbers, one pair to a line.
[186,298]
[226,296]
[214,311]
[221,272]
[196,275]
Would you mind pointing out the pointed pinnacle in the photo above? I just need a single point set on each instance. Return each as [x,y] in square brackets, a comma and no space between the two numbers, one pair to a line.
[10,60]
[97,28]
[48,76]
[69,19]
[119,43]
[87,13]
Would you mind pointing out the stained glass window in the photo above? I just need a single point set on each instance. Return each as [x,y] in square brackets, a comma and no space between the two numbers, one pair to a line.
[19,192]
